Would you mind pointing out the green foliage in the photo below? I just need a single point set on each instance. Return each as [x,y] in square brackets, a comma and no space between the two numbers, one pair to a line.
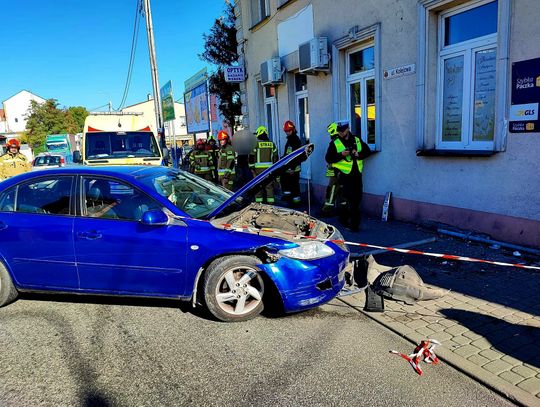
[46,118]
[220,49]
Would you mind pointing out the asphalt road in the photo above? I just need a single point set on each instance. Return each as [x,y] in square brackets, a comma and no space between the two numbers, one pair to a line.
[71,351]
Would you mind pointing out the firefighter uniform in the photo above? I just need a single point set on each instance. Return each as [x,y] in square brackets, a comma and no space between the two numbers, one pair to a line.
[202,164]
[346,154]
[13,164]
[290,180]
[263,156]
[226,166]
[213,150]
[332,190]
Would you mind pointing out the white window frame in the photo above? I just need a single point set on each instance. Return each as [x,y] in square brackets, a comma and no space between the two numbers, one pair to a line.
[274,131]
[468,50]
[362,78]
[427,77]
[356,37]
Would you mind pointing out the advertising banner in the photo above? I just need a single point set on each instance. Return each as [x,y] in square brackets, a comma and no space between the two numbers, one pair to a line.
[525,97]
[167,102]
[197,112]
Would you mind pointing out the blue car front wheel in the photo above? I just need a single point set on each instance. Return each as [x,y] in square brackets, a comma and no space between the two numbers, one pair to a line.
[234,288]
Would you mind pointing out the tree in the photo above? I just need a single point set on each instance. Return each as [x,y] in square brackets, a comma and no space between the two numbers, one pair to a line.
[220,49]
[46,118]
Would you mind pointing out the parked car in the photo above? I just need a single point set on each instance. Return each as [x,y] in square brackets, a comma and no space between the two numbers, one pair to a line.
[160,232]
[48,160]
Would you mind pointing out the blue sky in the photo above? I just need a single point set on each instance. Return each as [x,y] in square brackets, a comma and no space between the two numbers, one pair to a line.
[77,51]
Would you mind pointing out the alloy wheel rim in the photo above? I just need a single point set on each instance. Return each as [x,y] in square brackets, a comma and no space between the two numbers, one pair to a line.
[239,290]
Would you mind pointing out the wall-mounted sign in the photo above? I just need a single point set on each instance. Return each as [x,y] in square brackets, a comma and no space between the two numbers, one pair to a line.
[525,97]
[399,71]
[234,74]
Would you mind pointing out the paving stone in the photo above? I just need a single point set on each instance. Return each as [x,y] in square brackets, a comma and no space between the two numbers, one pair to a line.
[481,343]
[401,328]
[466,351]
[447,322]
[502,312]
[534,322]
[524,371]
[511,377]
[441,336]
[450,344]
[462,340]
[513,319]
[425,331]
[497,366]
[531,385]
[436,327]
[456,330]
[472,335]
[491,354]
[416,324]
[512,360]
[480,360]
[486,307]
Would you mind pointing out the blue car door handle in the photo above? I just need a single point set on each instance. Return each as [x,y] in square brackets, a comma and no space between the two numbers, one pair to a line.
[90,235]
[3,226]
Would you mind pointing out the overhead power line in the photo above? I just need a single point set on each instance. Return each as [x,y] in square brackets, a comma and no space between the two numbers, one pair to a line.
[134,40]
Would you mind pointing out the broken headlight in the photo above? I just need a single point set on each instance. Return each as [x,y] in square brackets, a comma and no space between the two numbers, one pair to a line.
[308,251]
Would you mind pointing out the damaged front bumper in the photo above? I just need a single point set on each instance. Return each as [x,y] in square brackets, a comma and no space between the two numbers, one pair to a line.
[305,284]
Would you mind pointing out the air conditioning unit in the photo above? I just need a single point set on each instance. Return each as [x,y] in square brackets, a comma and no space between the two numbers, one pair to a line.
[271,72]
[313,55]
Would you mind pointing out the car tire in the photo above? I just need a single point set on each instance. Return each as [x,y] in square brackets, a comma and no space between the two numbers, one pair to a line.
[8,292]
[242,301]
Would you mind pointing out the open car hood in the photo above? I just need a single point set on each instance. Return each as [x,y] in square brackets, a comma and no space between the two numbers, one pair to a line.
[289,161]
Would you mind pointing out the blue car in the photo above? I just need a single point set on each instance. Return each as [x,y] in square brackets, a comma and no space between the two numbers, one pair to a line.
[159,232]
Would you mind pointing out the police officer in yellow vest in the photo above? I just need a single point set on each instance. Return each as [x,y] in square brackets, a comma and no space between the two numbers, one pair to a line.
[13,162]
[346,154]
[200,161]
[290,180]
[262,157]
[332,190]
[225,164]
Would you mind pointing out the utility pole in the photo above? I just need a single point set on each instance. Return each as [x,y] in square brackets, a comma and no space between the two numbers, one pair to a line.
[154,70]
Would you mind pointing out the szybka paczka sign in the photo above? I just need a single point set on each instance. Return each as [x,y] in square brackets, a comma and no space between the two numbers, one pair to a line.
[234,74]
[525,97]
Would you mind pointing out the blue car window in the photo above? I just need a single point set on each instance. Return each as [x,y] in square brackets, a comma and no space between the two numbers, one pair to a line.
[7,200]
[49,195]
[110,199]
[191,194]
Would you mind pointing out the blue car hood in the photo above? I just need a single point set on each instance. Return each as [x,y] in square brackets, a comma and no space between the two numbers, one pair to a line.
[298,156]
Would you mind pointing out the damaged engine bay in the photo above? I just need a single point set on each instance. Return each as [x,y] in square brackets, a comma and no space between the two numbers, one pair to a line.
[259,216]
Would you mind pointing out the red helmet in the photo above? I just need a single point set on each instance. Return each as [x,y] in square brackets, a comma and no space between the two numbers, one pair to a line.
[288,126]
[200,142]
[222,135]
[13,143]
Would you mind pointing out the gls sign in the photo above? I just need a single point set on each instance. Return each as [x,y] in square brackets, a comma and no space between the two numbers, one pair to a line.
[524,112]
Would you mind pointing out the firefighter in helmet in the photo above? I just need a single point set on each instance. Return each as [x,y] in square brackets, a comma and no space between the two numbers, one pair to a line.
[200,161]
[213,150]
[332,189]
[225,163]
[290,180]
[263,156]
[13,162]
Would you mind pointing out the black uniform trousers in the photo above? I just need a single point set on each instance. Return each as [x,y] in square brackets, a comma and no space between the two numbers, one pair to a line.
[351,191]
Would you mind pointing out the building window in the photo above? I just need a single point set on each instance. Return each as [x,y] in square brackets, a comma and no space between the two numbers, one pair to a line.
[260,9]
[302,107]
[16,120]
[270,114]
[361,92]
[467,72]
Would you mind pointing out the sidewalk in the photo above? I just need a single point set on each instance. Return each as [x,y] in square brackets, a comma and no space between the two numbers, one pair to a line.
[489,323]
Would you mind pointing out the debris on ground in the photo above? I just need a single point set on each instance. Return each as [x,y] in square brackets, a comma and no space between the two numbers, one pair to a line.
[424,351]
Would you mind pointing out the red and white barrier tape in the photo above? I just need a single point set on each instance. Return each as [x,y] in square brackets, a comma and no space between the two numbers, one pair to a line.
[247,229]
[424,351]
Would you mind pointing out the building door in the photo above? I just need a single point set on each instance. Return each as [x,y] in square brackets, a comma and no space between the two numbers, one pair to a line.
[302,116]
[361,93]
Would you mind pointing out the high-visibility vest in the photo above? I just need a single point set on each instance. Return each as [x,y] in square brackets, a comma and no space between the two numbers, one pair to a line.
[201,161]
[226,160]
[345,165]
[264,153]
[289,151]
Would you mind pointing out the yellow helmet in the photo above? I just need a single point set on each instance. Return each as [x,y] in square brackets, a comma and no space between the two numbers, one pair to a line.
[332,129]
[261,130]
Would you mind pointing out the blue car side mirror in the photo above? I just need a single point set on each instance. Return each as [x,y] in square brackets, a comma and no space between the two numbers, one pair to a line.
[155,217]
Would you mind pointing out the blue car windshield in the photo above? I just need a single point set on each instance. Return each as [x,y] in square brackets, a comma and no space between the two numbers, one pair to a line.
[57,146]
[191,194]
[121,144]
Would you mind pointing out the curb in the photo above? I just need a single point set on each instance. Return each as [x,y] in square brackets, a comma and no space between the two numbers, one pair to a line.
[512,393]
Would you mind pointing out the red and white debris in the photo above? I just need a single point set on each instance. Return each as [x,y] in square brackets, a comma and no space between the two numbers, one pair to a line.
[425,351]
